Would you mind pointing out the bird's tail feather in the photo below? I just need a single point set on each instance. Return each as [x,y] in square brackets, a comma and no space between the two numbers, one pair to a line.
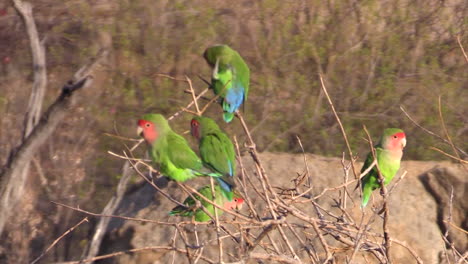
[178,210]
[366,194]
[228,117]
[226,187]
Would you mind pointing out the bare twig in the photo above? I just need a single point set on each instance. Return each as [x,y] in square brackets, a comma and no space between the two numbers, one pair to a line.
[448,155]
[462,49]
[194,97]
[456,227]
[218,231]
[430,132]
[345,137]
[447,134]
[114,216]
[135,250]
[111,206]
[384,195]
[58,239]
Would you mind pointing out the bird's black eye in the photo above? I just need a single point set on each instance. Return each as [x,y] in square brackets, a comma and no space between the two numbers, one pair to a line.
[147,125]
[235,200]
[395,136]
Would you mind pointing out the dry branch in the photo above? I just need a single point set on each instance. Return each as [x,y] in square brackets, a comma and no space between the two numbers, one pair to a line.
[111,206]
[430,132]
[41,132]
[58,239]
[12,189]
[384,194]
[345,137]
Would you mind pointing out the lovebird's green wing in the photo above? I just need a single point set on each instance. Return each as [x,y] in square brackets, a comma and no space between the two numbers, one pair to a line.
[182,163]
[370,181]
[200,215]
[217,153]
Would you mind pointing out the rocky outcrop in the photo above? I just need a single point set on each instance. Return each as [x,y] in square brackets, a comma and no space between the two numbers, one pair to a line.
[440,183]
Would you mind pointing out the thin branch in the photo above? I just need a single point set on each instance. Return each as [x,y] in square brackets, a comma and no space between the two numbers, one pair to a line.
[345,137]
[430,132]
[448,155]
[462,49]
[188,106]
[446,132]
[135,250]
[194,97]
[218,231]
[58,239]
[115,216]
[111,206]
[384,195]
[456,227]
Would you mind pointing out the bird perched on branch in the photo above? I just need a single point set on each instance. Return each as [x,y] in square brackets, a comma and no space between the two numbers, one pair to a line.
[169,151]
[388,152]
[220,199]
[216,151]
[230,78]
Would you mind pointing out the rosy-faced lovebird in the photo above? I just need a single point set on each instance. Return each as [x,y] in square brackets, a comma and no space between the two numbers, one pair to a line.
[220,199]
[230,78]
[388,151]
[216,150]
[169,151]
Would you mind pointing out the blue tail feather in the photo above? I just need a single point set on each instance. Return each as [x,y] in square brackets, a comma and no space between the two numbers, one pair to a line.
[224,185]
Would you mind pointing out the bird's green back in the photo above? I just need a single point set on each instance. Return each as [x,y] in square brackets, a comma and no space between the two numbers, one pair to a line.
[199,214]
[171,152]
[216,149]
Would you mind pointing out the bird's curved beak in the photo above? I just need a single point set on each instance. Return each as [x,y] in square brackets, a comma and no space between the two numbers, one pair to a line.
[215,70]
[140,131]
[403,143]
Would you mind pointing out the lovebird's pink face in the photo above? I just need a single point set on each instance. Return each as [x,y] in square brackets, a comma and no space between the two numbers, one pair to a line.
[397,141]
[236,203]
[147,130]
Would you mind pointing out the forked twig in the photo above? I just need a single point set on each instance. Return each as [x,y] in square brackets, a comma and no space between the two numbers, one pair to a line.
[430,132]
[58,239]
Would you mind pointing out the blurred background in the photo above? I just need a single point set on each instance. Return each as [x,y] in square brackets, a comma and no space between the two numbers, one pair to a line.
[374,55]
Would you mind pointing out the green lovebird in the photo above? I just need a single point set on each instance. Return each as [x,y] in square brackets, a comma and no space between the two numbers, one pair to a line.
[170,151]
[388,152]
[216,151]
[230,78]
[220,199]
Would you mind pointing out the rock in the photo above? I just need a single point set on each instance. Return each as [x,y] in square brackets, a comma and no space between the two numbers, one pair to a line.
[440,182]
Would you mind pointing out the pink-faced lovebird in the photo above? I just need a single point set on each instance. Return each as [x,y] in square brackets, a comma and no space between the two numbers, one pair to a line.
[388,151]
[216,150]
[169,151]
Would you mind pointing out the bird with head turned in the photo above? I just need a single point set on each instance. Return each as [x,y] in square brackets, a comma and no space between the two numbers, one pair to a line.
[216,150]
[388,151]
[230,78]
